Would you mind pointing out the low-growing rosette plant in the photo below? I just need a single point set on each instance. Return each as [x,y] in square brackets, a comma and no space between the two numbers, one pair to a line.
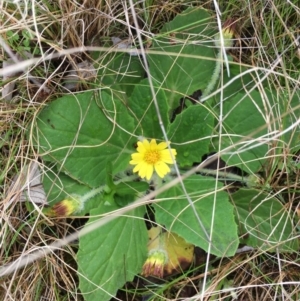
[105,148]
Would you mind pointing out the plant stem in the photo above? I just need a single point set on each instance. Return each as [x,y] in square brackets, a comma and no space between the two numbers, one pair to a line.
[252,181]
[100,189]
[92,193]
[215,75]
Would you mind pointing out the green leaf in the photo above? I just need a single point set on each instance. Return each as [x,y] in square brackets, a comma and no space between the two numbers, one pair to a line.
[181,67]
[190,24]
[80,133]
[243,122]
[249,123]
[265,220]
[119,71]
[126,192]
[130,188]
[287,110]
[177,215]
[111,255]
[238,81]
[190,134]
[109,179]
[142,105]
[110,187]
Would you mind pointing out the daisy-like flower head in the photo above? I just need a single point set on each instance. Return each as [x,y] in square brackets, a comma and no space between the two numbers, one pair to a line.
[151,156]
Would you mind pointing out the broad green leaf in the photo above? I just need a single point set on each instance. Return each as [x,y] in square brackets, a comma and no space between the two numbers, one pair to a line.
[142,105]
[119,71]
[243,132]
[287,111]
[80,133]
[239,80]
[182,67]
[177,215]
[249,123]
[126,192]
[265,220]
[111,255]
[190,134]
[191,23]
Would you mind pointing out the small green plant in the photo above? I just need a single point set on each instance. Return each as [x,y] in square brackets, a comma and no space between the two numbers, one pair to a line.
[104,148]
[22,42]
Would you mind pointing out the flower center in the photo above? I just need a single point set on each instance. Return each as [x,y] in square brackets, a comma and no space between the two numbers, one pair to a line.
[152,157]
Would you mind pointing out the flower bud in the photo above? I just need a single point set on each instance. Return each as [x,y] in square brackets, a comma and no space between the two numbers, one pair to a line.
[66,207]
[168,253]
[228,34]
[155,263]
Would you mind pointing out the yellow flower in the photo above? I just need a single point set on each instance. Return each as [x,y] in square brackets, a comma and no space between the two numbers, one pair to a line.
[152,156]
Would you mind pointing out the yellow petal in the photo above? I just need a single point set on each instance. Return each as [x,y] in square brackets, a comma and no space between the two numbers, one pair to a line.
[136,157]
[161,169]
[166,156]
[162,145]
[153,144]
[145,170]
[149,172]
[137,167]
[142,146]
